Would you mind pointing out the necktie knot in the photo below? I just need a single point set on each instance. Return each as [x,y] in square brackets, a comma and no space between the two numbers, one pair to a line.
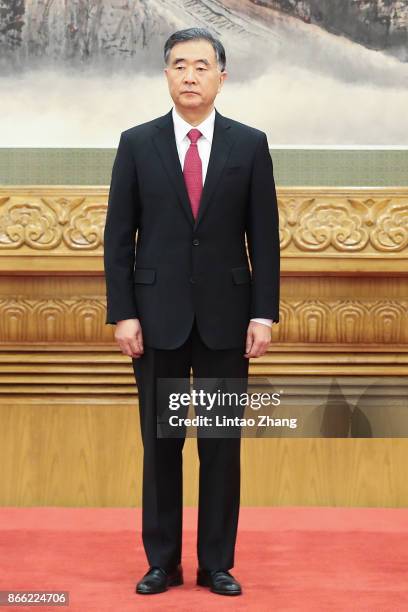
[194,135]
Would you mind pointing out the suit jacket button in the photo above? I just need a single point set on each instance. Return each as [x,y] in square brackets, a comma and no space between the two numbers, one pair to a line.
[196,242]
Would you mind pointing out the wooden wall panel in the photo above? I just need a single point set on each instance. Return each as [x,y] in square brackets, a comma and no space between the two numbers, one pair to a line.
[68,405]
[76,454]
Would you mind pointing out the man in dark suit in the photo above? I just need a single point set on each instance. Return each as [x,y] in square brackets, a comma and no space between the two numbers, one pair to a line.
[192,184]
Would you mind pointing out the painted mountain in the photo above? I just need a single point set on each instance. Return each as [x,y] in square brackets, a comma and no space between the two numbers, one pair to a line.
[376,24]
[79,32]
[305,71]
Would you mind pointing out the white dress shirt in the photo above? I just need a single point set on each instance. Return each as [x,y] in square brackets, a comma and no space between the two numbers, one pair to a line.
[206,127]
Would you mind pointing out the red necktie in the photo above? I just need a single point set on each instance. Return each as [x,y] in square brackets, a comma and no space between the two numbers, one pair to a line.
[193,172]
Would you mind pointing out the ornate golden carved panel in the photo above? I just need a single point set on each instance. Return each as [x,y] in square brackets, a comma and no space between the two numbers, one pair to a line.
[317,226]
[334,221]
[55,222]
[80,318]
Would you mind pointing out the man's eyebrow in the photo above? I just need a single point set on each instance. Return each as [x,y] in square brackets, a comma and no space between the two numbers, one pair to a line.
[182,59]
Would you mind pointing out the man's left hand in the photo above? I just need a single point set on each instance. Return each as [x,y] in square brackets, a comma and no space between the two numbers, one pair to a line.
[258,339]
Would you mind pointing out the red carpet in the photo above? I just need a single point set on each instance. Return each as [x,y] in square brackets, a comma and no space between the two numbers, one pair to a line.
[304,559]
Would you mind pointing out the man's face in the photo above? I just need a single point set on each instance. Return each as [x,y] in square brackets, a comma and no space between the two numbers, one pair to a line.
[193,75]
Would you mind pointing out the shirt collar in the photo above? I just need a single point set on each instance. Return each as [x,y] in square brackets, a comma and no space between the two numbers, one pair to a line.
[181,127]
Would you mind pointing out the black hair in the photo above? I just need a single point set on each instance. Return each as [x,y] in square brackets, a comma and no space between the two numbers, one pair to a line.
[196,34]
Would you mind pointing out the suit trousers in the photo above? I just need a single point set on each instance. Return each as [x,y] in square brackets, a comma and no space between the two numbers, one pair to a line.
[219,457]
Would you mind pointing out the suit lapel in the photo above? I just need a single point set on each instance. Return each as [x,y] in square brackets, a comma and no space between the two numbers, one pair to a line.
[165,143]
[220,149]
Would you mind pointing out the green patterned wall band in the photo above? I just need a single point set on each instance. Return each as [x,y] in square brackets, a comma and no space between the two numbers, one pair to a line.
[292,167]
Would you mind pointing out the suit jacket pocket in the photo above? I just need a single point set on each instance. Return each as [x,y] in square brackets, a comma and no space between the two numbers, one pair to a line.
[241,275]
[144,276]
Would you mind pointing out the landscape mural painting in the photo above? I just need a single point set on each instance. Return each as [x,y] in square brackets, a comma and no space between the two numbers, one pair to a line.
[74,73]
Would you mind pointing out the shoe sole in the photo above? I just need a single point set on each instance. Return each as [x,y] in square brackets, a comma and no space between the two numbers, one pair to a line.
[204,583]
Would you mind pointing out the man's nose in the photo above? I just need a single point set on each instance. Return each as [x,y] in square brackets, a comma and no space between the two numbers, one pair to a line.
[189,76]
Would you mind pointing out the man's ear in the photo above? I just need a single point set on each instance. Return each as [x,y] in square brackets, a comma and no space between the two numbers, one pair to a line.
[224,75]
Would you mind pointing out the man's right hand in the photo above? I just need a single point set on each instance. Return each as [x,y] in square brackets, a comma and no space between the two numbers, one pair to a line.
[128,334]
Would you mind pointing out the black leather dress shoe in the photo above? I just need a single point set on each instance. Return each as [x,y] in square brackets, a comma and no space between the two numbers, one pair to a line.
[219,581]
[156,580]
